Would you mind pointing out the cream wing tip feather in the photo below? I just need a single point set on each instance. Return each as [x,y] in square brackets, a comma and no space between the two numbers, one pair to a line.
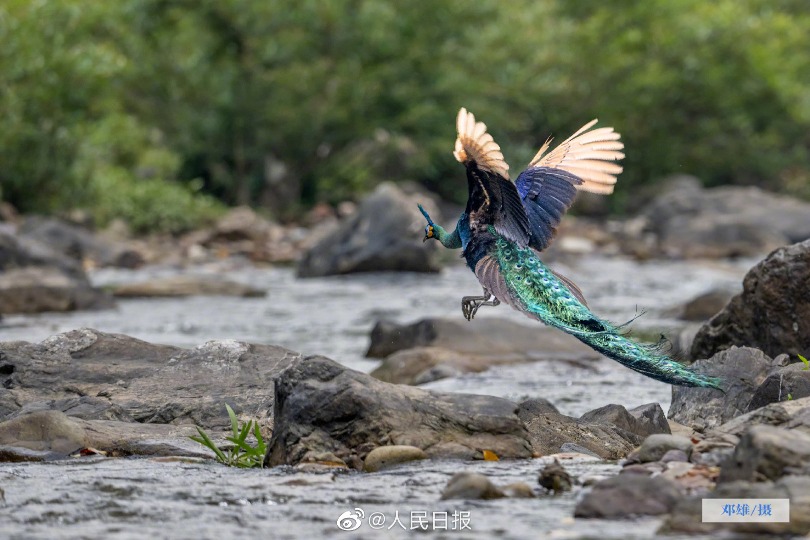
[473,143]
[589,154]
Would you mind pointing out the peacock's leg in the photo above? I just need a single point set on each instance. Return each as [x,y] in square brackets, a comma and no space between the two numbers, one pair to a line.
[470,304]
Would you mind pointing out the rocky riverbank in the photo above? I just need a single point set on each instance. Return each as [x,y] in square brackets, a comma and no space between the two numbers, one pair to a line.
[92,392]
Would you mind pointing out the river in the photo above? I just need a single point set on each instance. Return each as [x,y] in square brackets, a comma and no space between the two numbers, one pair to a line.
[140,498]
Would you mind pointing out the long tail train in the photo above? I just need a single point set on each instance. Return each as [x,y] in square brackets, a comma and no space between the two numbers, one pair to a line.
[646,359]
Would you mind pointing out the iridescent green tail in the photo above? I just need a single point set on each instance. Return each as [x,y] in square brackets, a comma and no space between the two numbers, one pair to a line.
[647,360]
[533,288]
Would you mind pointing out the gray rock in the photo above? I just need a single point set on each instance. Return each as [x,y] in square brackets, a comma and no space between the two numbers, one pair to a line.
[629,495]
[425,364]
[529,408]
[767,453]
[186,285]
[491,337]
[471,486]
[648,419]
[46,435]
[791,382]
[33,279]
[773,311]
[686,516]
[117,377]
[80,244]
[741,370]
[792,414]
[691,222]
[555,478]
[551,432]
[655,447]
[651,416]
[355,409]
[674,455]
[704,306]
[518,490]
[383,457]
[385,234]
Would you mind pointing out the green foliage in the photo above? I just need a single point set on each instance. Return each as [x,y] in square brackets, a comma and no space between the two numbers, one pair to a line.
[241,454]
[806,363]
[279,102]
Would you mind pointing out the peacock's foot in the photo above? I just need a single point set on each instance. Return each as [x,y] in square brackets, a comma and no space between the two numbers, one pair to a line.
[470,304]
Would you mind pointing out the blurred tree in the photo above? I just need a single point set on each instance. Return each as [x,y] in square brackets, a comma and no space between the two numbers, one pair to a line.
[289,102]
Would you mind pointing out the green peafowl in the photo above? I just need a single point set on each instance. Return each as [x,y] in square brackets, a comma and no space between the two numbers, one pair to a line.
[506,225]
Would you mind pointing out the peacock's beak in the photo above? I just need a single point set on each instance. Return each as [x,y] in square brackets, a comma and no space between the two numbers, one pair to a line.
[425,239]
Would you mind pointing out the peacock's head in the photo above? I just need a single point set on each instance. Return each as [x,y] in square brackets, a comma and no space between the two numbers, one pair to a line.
[430,230]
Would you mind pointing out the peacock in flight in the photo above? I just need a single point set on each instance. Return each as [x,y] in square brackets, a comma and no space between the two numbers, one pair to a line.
[507,224]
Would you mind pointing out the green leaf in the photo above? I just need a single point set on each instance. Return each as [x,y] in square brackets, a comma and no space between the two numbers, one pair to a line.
[234,420]
[805,361]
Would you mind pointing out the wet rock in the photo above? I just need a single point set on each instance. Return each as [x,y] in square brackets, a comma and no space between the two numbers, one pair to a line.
[555,478]
[625,496]
[34,279]
[124,378]
[471,486]
[691,222]
[686,516]
[652,418]
[645,469]
[656,446]
[618,416]
[80,244]
[741,370]
[792,414]
[768,453]
[674,455]
[54,435]
[355,409]
[773,311]
[383,457]
[529,408]
[518,490]
[385,234]
[790,382]
[481,337]
[551,433]
[186,285]
[704,306]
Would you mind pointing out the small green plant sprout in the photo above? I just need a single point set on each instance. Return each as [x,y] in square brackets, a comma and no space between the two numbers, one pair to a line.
[805,361]
[790,397]
[241,454]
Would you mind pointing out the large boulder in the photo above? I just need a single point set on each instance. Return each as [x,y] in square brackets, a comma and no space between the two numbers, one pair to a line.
[48,434]
[385,234]
[741,369]
[692,222]
[34,279]
[642,421]
[629,495]
[78,243]
[552,433]
[323,408]
[773,311]
[768,453]
[98,376]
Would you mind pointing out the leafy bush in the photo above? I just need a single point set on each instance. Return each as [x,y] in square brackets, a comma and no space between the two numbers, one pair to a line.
[299,100]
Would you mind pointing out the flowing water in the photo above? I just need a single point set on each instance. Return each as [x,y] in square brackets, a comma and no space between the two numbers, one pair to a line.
[138,498]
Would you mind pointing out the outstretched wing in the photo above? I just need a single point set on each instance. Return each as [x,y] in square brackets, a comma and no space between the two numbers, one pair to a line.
[547,188]
[493,198]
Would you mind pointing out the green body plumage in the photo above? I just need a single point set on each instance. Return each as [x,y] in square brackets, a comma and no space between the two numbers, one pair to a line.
[535,290]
